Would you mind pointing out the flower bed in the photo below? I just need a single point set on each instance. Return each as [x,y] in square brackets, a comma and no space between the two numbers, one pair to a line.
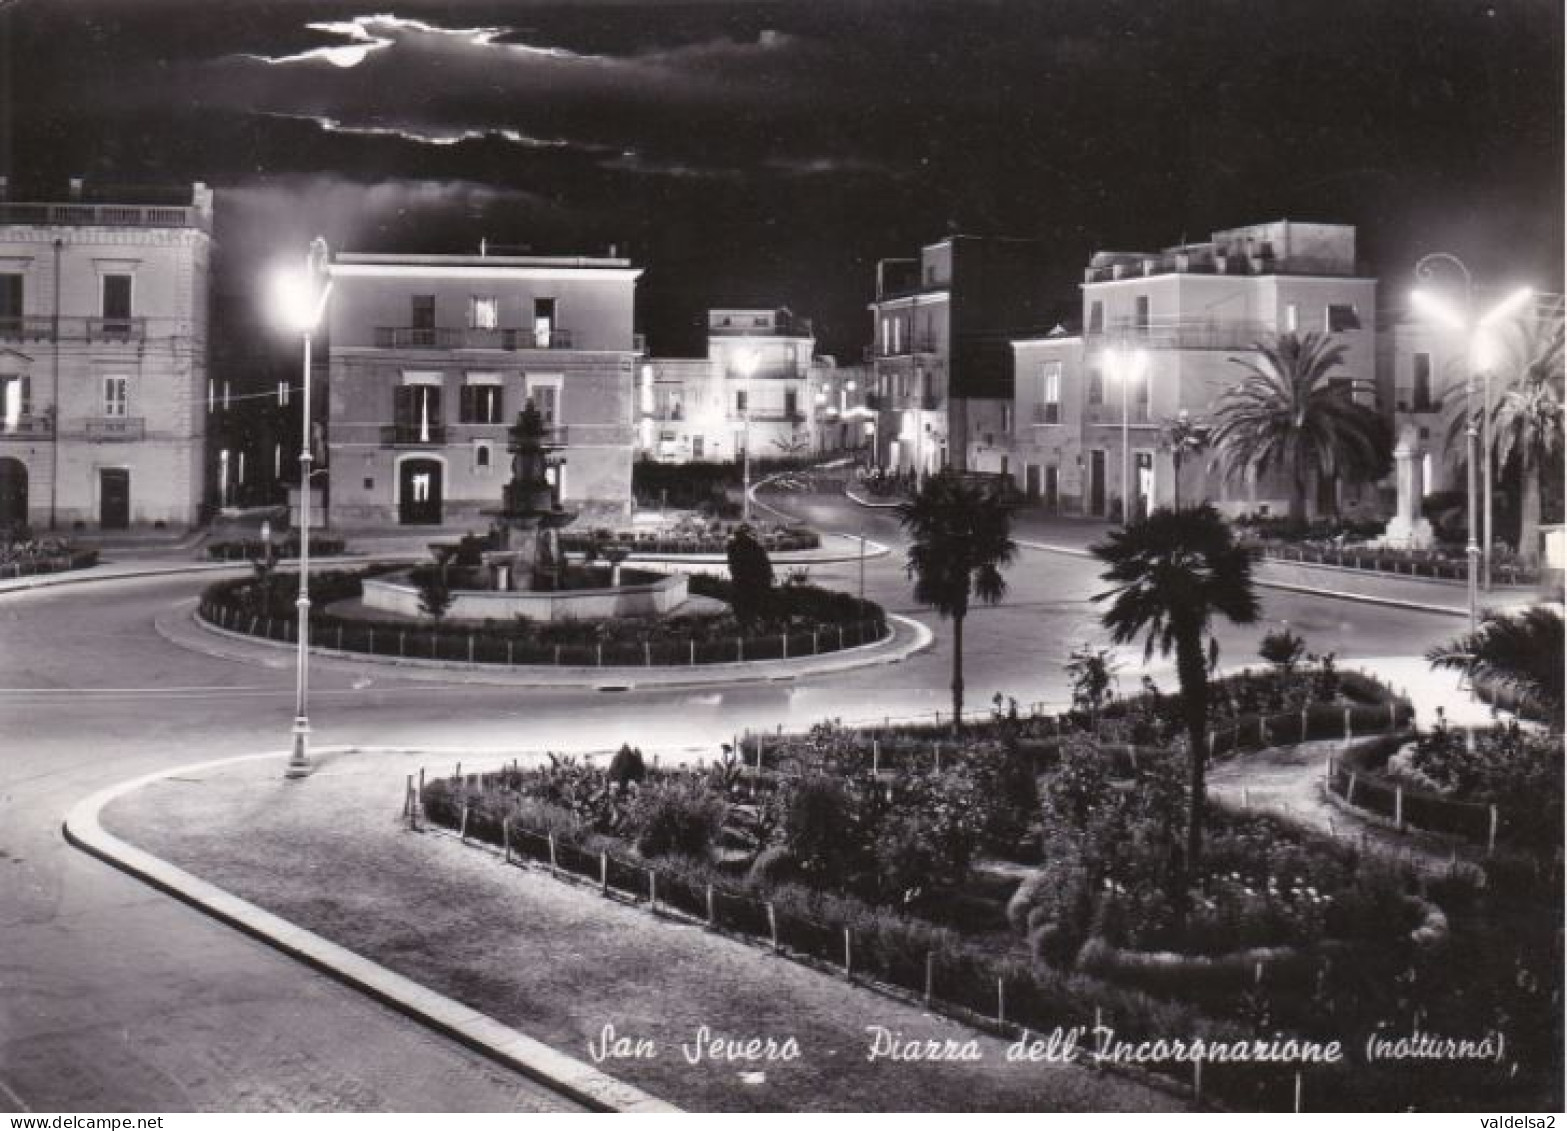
[252,549]
[713,539]
[806,621]
[47,555]
[1432,565]
[1497,785]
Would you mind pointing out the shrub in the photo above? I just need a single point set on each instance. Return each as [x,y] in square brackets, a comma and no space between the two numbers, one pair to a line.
[627,766]
[675,817]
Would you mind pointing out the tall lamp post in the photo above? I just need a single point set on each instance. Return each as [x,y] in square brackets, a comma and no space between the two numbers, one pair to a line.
[1480,362]
[1126,366]
[302,301]
[745,365]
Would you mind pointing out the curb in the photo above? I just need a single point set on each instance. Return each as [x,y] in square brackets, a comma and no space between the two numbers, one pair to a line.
[866,503]
[1362,598]
[567,1075]
[892,651]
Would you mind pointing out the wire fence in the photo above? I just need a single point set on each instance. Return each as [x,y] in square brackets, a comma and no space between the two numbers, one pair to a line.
[416,642]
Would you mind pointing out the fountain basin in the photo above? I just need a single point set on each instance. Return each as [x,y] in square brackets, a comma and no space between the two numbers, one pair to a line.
[397,593]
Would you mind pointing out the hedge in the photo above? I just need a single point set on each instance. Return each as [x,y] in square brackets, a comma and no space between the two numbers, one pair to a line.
[31,564]
[252,549]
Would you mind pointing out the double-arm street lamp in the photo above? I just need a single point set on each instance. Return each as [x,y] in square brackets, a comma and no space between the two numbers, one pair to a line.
[301,301]
[1480,362]
[1126,366]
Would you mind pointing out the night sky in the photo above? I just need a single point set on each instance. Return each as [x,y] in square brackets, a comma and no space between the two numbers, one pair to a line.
[769,153]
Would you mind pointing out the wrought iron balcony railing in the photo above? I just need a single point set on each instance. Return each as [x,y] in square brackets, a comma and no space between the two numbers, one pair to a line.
[458,338]
[115,428]
[413,435]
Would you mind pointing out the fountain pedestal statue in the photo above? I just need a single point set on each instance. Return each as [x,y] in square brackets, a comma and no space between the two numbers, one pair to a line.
[1407,530]
[527,523]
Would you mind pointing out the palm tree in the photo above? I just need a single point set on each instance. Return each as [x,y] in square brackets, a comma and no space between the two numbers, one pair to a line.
[962,537]
[1522,651]
[1172,573]
[1526,424]
[1182,436]
[1289,413]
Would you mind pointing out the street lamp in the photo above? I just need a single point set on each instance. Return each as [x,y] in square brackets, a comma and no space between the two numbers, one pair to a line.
[1126,366]
[301,301]
[1481,361]
[745,365]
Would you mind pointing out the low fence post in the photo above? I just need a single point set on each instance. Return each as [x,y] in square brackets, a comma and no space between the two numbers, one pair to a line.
[470,647]
[815,642]
[599,652]
[652,890]
[462,828]
[1197,1080]
[506,837]
[1350,795]
[1349,731]
[339,638]
[603,873]
[552,855]
[930,975]
[875,757]
[509,644]
[772,926]
[848,954]
[784,636]
[1001,1000]
[1490,836]
[1398,807]
[1297,1093]
[402,644]
[693,651]
[647,653]
[740,649]
[711,918]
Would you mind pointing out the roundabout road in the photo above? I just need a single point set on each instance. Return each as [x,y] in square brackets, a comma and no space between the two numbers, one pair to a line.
[113,997]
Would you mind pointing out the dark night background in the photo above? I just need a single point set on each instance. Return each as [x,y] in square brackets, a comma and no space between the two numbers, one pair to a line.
[770,152]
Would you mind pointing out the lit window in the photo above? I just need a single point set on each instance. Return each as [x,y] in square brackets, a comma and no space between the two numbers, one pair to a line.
[1096,387]
[1050,392]
[1291,317]
[484,312]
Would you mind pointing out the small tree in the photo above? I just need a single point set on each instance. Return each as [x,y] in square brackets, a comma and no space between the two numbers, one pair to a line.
[1283,649]
[435,596]
[751,574]
[1091,672]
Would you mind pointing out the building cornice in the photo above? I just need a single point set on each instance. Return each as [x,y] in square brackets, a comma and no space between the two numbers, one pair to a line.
[406,270]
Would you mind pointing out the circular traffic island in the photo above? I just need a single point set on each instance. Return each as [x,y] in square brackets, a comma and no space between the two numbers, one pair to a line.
[592,616]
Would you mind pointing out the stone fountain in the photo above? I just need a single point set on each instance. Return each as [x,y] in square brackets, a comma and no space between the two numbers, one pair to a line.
[527,524]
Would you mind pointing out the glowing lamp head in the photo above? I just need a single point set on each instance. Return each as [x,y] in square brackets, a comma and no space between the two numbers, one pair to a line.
[1436,308]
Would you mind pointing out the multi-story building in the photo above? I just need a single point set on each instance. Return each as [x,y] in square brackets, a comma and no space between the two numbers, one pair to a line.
[760,385]
[1088,418]
[103,359]
[942,327]
[433,356]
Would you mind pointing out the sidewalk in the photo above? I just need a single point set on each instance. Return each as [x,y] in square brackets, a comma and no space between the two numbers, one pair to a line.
[559,962]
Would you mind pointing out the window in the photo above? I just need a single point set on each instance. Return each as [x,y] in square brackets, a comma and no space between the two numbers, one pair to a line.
[1096,317]
[1291,317]
[116,298]
[697,444]
[480,404]
[116,395]
[282,394]
[1142,312]
[15,400]
[484,312]
[546,399]
[543,322]
[1341,317]
[10,300]
[416,413]
[1006,418]
[482,455]
[1096,387]
[1144,388]
[742,402]
[897,335]
[1422,395]
[1050,392]
[421,312]
[791,403]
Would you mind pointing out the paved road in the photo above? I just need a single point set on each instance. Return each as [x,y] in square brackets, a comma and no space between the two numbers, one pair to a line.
[114,997]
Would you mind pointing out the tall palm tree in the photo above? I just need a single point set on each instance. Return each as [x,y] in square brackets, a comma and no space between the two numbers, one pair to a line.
[1522,651]
[1182,436]
[1171,574]
[1526,423]
[1289,413]
[961,538]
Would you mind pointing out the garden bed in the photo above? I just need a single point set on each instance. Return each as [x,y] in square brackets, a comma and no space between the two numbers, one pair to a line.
[254,549]
[804,621]
[25,559]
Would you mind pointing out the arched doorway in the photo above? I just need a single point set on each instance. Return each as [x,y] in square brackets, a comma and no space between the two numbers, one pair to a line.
[419,487]
[13,492]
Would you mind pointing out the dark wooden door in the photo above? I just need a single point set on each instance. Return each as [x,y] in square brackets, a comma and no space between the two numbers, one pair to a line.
[114,498]
[419,492]
[13,493]
[1096,482]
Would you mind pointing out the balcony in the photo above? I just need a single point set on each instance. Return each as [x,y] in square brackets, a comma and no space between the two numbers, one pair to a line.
[413,435]
[104,215]
[1047,414]
[26,329]
[1240,261]
[1182,334]
[463,338]
[116,428]
[768,416]
[116,329]
[27,425]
